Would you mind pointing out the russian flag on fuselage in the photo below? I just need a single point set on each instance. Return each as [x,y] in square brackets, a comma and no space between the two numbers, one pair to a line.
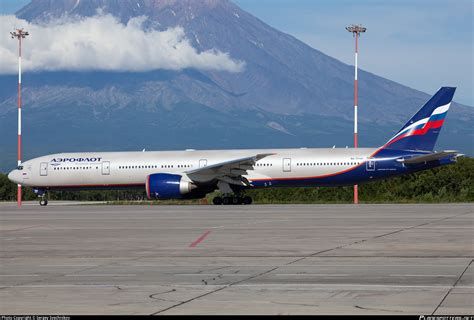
[421,132]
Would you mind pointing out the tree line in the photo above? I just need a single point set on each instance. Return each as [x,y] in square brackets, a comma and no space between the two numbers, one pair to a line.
[452,183]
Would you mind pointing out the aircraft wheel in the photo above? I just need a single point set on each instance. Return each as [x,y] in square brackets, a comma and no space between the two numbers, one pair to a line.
[247,200]
[237,200]
[227,200]
[217,201]
[43,202]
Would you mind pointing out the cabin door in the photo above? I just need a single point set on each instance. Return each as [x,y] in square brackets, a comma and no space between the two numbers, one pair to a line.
[202,163]
[43,169]
[370,165]
[287,165]
[106,167]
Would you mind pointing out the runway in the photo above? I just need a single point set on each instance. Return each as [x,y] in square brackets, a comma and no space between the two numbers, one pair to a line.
[272,259]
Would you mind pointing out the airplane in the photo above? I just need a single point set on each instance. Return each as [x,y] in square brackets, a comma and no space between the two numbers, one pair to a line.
[192,174]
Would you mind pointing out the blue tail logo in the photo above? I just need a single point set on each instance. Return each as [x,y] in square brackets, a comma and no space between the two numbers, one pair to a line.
[421,132]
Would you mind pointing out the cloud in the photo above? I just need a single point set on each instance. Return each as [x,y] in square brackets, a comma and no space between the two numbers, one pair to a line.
[103,43]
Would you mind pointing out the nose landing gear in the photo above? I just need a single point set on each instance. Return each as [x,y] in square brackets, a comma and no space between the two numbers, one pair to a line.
[41,194]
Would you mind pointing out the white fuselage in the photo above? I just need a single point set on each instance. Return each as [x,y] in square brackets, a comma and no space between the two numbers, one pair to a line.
[116,169]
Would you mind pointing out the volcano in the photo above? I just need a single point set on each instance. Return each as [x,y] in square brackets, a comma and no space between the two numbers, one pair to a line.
[287,95]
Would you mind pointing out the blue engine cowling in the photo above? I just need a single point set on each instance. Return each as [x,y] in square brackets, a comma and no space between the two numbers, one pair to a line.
[167,186]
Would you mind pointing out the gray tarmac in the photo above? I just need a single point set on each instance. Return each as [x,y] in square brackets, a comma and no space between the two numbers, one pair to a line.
[273,259]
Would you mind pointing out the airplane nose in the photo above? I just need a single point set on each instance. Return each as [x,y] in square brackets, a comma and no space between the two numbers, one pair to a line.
[14,176]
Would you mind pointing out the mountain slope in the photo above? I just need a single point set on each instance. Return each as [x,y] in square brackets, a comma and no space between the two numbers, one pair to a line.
[289,94]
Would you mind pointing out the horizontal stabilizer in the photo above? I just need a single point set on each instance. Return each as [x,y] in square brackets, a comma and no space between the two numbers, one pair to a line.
[429,157]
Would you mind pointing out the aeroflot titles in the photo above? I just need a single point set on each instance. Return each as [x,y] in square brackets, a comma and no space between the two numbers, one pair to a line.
[97,159]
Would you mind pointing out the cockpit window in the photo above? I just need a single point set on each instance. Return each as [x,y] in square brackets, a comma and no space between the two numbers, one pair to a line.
[20,167]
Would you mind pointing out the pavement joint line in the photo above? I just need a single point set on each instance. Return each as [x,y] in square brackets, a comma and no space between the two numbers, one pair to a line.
[213,274]
[241,283]
[256,266]
[64,274]
[379,236]
[19,275]
[26,228]
[299,285]
[259,257]
[101,275]
[189,300]
[67,265]
[342,246]
[90,268]
[376,309]
[249,223]
[327,250]
[214,269]
[311,255]
[312,274]
[214,291]
[423,275]
[452,287]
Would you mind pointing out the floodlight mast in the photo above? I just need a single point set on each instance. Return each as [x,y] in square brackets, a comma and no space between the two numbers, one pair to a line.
[356,30]
[19,34]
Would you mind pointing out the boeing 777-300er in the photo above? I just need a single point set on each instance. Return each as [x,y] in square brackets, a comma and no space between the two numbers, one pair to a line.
[192,174]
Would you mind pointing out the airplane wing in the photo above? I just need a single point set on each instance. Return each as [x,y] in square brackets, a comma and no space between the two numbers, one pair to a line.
[429,157]
[230,172]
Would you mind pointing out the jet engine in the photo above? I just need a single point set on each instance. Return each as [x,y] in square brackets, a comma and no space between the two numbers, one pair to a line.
[168,186]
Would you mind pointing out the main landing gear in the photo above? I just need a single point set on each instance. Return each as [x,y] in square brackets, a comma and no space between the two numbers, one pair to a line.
[232,200]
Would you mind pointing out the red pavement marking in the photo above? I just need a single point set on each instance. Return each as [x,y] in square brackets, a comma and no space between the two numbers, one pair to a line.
[200,239]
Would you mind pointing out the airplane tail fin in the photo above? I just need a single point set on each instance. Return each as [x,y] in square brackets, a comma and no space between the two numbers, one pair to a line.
[422,130]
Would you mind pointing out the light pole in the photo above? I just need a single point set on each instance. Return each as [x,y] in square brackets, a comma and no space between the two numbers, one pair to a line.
[356,31]
[19,34]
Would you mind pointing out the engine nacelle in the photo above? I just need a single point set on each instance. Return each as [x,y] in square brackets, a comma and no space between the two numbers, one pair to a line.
[167,186]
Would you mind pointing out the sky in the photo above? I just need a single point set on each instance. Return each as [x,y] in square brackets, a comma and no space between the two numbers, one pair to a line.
[424,44]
